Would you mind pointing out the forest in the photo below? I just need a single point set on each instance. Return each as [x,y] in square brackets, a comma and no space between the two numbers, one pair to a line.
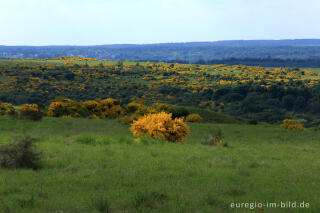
[267,53]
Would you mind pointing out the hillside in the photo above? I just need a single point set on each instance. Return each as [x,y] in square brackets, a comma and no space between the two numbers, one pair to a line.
[265,94]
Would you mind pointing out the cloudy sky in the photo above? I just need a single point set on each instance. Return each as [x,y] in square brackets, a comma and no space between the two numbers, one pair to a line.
[90,22]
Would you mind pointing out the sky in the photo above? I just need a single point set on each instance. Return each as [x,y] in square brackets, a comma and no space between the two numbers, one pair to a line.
[97,22]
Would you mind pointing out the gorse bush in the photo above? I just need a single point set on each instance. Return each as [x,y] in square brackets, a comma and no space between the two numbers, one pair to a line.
[103,108]
[291,124]
[160,126]
[136,110]
[139,107]
[64,107]
[7,109]
[93,107]
[30,112]
[196,118]
[128,119]
[20,154]
[67,108]
[111,108]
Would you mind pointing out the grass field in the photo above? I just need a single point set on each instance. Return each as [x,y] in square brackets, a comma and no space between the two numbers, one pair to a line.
[312,69]
[95,166]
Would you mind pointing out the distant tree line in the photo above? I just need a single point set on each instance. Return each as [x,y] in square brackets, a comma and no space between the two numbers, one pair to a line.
[266,62]
[200,53]
[262,62]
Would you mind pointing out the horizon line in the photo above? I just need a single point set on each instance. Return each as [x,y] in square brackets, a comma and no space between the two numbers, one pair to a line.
[155,43]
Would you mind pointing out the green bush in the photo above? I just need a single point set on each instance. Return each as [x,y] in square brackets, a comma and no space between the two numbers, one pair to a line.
[253,122]
[215,138]
[178,112]
[20,154]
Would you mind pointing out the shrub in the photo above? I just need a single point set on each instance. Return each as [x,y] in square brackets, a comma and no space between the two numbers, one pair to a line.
[253,122]
[291,124]
[139,107]
[136,110]
[196,118]
[314,122]
[160,125]
[7,109]
[103,108]
[93,108]
[130,118]
[65,107]
[30,112]
[19,154]
[179,112]
[136,107]
[215,138]
[111,108]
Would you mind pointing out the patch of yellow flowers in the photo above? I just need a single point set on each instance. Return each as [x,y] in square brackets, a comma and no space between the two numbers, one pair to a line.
[160,126]
[7,109]
[29,107]
[291,124]
[196,118]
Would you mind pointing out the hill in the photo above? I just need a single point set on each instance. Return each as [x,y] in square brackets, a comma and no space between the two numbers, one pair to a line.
[266,94]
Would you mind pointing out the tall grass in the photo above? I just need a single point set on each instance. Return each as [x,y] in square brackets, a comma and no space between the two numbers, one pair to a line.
[96,166]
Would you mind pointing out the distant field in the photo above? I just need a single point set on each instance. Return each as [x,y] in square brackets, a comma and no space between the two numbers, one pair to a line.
[312,69]
[93,165]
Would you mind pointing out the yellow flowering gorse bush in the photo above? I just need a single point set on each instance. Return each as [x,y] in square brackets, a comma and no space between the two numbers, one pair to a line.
[103,108]
[29,108]
[136,110]
[7,109]
[196,118]
[160,125]
[291,124]
[31,112]
[65,107]
[68,108]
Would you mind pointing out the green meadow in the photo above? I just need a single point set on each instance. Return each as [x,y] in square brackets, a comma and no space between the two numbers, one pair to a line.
[90,165]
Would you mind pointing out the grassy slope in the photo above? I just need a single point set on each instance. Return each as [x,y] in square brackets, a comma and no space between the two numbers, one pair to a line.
[91,164]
